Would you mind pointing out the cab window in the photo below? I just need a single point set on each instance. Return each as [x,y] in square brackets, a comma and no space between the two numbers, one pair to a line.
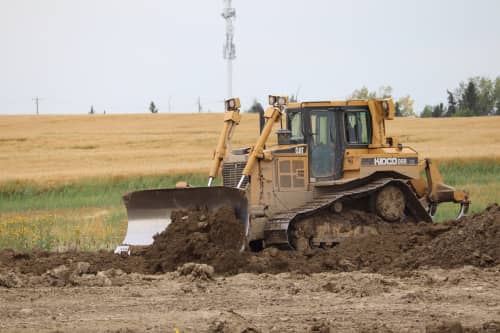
[295,126]
[357,127]
[320,128]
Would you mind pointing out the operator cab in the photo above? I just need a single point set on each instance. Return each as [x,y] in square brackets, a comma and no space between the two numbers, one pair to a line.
[328,131]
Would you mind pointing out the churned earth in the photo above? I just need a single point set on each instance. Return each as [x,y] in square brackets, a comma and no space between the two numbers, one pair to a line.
[408,277]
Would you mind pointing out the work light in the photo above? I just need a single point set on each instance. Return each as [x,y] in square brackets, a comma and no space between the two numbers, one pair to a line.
[272,100]
[282,100]
[232,104]
[278,100]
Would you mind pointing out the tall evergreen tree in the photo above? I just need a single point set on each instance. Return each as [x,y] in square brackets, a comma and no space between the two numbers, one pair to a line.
[152,107]
[256,107]
[469,99]
[452,104]
[438,110]
[397,109]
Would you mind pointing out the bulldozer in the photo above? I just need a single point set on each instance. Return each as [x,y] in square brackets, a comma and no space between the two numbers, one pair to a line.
[331,157]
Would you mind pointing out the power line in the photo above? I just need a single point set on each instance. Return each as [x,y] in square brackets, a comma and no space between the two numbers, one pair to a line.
[37,100]
[200,108]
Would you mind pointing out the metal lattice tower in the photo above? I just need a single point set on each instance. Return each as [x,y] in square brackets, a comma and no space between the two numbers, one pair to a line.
[229,14]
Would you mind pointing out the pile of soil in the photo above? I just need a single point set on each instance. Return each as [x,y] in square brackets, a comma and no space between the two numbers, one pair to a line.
[215,239]
[199,237]
[39,262]
[473,240]
[373,252]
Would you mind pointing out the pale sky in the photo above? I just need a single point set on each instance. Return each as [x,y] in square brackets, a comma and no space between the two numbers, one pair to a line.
[118,55]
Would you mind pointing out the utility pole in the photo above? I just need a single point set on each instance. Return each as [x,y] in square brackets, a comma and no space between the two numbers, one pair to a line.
[229,14]
[37,100]
[199,105]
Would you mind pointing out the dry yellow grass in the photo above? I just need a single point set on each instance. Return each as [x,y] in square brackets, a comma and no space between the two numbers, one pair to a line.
[450,138]
[60,148]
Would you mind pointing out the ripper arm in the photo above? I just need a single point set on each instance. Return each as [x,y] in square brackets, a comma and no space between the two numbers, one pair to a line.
[231,119]
[273,114]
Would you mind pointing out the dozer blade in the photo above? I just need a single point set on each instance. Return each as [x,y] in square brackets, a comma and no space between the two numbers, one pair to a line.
[149,210]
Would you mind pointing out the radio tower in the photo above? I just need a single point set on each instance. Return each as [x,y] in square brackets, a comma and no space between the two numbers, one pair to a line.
[229,14]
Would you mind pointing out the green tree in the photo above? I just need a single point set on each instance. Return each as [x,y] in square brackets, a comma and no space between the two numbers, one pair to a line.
[486,99]
[496,95]
[365,93]
[397,110]
[452,104]
[426,112]
[152,107]
[256,107]
[438,110]
[384,92]
[405,104]
[469,101]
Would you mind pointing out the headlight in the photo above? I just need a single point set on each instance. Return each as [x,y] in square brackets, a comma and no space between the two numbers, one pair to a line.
[282,100]
[272,100]
[232,104]
[385,105]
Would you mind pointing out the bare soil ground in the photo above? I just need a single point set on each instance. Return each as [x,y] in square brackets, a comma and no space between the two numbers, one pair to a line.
[411,277]
[419,301]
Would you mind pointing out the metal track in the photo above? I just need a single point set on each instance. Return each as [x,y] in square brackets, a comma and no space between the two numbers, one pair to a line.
[278,227]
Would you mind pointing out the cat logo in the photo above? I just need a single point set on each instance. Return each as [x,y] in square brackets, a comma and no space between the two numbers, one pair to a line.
[299,150]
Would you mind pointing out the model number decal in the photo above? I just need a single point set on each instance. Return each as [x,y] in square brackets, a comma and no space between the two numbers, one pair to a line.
[299,150]
[384,161]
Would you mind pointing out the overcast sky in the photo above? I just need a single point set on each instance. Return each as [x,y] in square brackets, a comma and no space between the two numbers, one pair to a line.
[118,55]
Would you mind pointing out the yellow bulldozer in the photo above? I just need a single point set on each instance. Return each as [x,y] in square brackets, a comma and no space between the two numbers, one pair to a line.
[331,157]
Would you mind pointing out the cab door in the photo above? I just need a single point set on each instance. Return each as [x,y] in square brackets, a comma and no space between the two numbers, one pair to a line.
[323,138]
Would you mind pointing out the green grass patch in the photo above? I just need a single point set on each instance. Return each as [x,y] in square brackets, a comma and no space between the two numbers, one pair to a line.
[480,178]
[83,194]
[62,230]
[89,215]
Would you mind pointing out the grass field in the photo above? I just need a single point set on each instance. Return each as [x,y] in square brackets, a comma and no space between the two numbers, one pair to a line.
[62,177]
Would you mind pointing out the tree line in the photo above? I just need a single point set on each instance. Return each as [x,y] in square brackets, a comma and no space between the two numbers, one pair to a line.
[403,105]
[478,96]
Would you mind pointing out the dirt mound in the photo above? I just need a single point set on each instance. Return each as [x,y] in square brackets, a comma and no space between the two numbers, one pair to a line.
[375,251]
[75,274]
[457,327]
[472,240]
[198,237]
[215,239]
[10,280]
[39,262]
[231,322]
[195,272]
